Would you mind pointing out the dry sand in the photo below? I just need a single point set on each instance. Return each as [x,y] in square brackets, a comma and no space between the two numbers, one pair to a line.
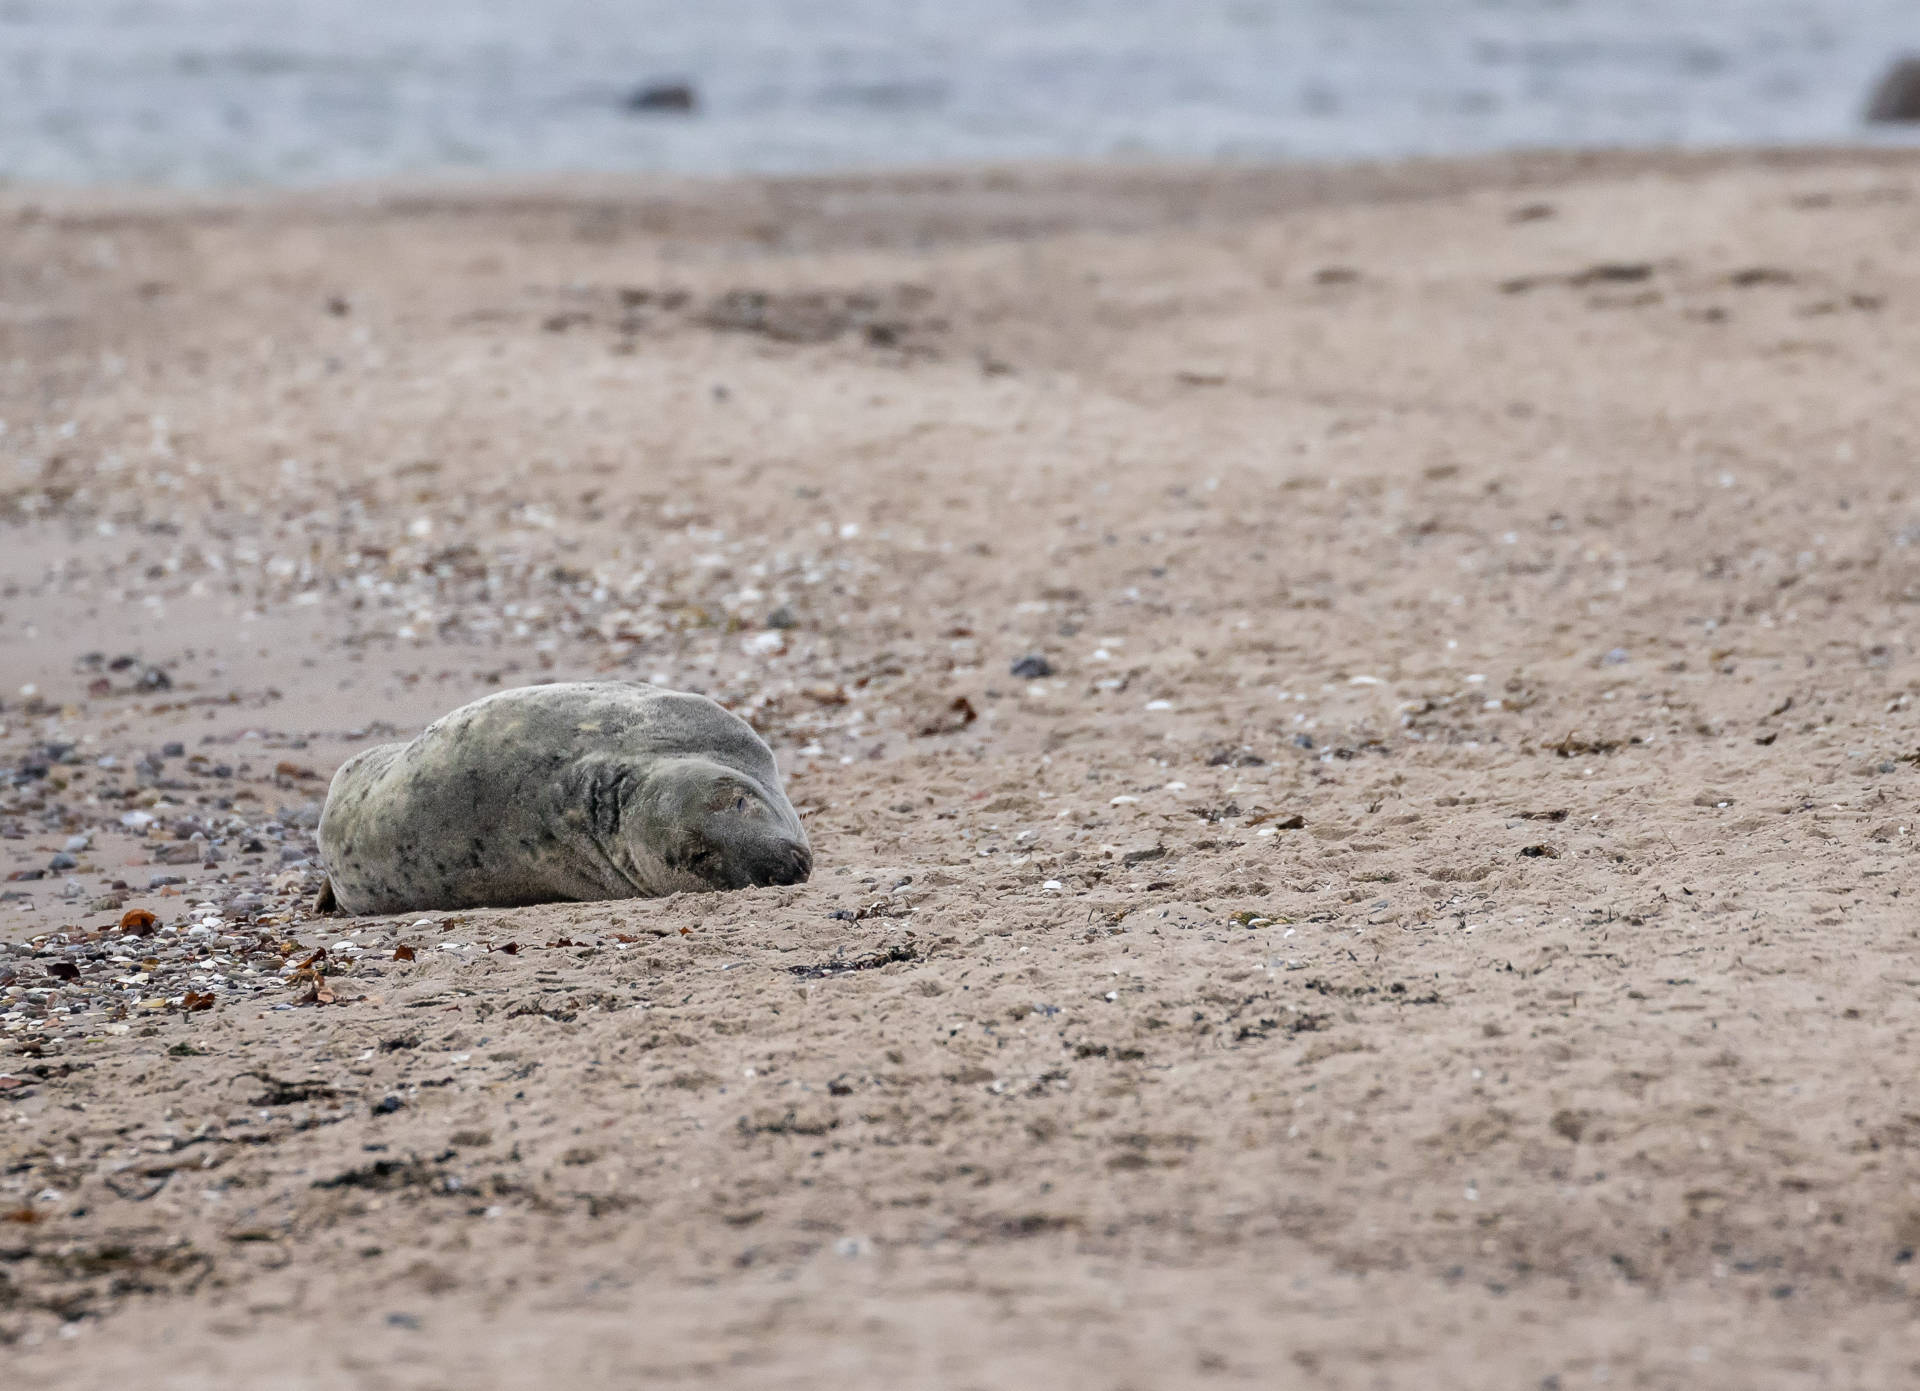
[1444,921]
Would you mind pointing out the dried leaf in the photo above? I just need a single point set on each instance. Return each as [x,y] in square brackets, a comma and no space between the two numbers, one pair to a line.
[510,949]
[293,770]
[686,932]
[10,1084]
[138,921]
[23,1215]
[403,953]
[562,942]
[319,956]
[955,716]
[320,993]
[196,1000]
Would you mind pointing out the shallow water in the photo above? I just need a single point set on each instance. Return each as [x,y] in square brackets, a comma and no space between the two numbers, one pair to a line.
[198,92]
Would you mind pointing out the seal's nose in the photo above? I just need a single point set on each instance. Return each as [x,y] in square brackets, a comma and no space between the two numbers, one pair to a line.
[788,862]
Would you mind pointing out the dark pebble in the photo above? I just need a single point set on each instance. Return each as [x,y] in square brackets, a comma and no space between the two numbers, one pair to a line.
[62,861]
[173,750]
[1235,758]
[154,679]
[160,881]
[782,617]
[1303,741]
[387,1105]
[1032,667]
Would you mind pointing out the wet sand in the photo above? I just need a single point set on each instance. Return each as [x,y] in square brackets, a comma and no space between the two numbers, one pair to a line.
[1436,913]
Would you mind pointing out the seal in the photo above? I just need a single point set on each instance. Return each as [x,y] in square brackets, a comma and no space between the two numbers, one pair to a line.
[571,792]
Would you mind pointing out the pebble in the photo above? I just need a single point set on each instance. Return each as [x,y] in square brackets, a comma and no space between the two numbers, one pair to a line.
[1032,667]
[62,861]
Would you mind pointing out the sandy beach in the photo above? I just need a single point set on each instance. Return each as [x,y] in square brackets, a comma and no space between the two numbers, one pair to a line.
[1356,726]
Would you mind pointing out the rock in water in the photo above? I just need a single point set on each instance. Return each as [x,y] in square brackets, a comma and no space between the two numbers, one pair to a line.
[673,97]
[1897,97]
[580,791]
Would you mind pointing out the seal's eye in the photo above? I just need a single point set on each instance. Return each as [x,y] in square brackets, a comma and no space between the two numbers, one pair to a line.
[740,804]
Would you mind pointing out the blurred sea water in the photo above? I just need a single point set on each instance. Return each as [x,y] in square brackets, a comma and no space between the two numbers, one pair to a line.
[221,92]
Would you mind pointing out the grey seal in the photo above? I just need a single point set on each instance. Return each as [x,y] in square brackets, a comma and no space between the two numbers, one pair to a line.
[577,791]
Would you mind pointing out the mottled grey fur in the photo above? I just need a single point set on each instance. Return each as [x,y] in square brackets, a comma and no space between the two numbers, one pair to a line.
[588,790]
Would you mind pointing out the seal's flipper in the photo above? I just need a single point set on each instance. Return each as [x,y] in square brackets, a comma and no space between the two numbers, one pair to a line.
[324,901]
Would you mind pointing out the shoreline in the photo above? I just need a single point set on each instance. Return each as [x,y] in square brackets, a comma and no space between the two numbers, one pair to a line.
[1118,195]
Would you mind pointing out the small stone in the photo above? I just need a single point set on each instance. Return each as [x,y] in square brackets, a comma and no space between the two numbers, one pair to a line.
[62,861]
[175,750]
[387,1105]
[783,618]
[161,881]
[1032,667]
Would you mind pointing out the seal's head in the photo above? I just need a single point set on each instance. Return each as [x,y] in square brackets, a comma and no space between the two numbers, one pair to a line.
[714,827]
